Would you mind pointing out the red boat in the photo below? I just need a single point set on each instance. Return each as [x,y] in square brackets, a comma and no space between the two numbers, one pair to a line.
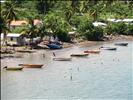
[31,65]
[92,51]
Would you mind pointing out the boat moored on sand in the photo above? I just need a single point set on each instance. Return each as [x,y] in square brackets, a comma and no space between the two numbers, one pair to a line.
[121,44]
[92,51]
[31,65]
[80,54]
[13,68]
[108,48]
[62,59]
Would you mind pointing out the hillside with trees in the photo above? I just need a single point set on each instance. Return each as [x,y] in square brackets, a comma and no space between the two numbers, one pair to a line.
[60,17]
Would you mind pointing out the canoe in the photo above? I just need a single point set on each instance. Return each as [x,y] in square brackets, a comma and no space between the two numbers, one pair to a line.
[80,54]
[108,48]
[62,59]
[6,52]
[25,51]
[54,46]
[13,68]
[121,44]
[31,65]
[92,51]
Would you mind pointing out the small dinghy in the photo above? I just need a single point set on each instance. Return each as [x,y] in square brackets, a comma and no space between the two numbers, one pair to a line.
[108,48]
[62,59]
[121,44]
[92,51]
[13,68]
[79,54]
[31,65]
[26,51]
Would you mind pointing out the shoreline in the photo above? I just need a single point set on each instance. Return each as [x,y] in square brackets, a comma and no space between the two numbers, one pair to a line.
[112,38]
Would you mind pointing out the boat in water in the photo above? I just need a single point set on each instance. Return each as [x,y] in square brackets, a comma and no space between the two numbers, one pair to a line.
[108,48]
[62,59]
[121,44]
[54,46]
[31,65]
[92,51]
[80,54]
[13,68]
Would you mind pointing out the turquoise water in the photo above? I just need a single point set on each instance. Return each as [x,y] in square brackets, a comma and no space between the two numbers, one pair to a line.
[104,76]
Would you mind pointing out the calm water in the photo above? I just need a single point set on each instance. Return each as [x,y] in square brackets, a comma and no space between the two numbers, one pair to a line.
[104,76]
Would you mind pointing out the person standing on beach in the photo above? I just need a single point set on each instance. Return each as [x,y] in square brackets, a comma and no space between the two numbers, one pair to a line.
[54,54]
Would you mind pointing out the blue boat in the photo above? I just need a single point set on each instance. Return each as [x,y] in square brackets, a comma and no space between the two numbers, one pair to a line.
[54,46]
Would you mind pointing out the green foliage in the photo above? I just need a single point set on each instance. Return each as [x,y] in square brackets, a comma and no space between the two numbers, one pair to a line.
[18,29]
[116,28]
[59,16]
[89,32]
[129,29]
[62,35]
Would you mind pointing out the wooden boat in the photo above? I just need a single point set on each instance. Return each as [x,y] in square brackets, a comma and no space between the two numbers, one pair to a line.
[121,44]
[62,59]
[108,48]
[31,65]
[6,52]
[13,68]
[54,46]
[92,51]
[25,51]
[79,54]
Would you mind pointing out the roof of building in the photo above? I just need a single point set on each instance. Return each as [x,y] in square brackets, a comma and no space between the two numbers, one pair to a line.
[13,35]
[120,20]
[99,24]
[24,22]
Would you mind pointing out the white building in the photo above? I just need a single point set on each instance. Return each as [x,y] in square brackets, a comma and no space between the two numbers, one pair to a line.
[14,38]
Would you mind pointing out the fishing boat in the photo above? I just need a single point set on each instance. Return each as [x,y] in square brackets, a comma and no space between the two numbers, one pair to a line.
[62,59]
[13,68]
[25,51]
[80,54]
[54,46]
[121,44]
[31,65]
[108,48]
[92,51]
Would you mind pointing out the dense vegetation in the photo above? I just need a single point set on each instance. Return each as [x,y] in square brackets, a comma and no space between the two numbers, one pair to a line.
[59,17]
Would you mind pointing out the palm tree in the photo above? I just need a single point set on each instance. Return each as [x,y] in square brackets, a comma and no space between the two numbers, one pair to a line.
[31,30]
[3,29]
[9,12]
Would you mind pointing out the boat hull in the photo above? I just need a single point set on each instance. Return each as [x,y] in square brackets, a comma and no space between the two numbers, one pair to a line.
[54,46]
[80,55]
[62,59]
[108,48]
[31,65]
[121,44]
[25,51]
[14,68]
[92,51]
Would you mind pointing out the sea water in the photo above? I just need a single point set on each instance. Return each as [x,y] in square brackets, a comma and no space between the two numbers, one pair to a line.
[104,76]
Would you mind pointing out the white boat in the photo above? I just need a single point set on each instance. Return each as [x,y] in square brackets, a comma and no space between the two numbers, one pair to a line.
[108,48]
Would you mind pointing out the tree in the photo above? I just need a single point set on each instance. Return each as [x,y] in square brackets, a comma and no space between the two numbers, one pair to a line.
[9,12]
[31,30]
[3,29]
